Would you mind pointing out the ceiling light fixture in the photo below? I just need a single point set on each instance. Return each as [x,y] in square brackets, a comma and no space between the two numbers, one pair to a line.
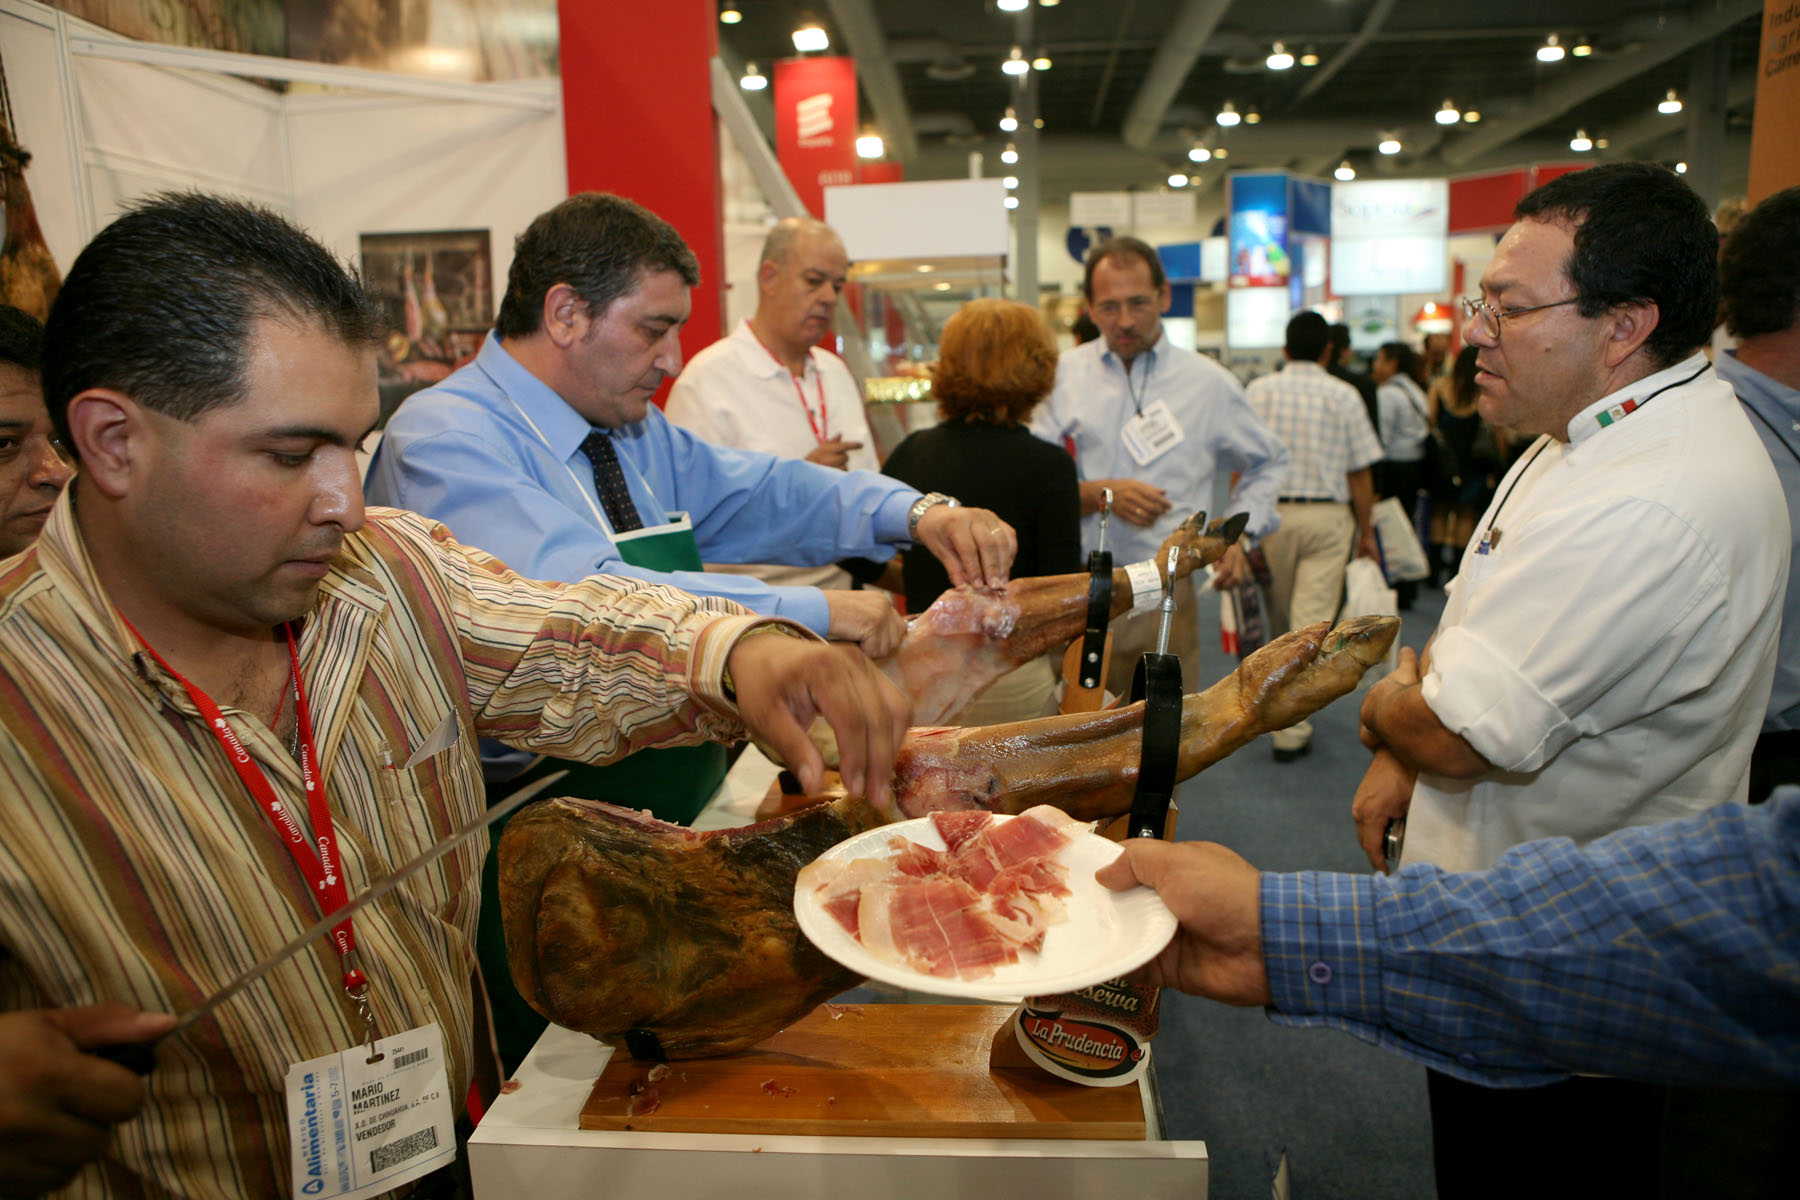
[753,80]
[1252,117]
[1012,5]
[1010,202]
[1279,59]
[1309,57]
[1581,143]
[1048,3]
[1010,121]
[1037,122]
[868,143]
[1228,115]
[1681,168]
[810,36]
[1010,155]
[1551,50]
[1011,182]
[1670,104]
[1042,61]
[1199,153]
[729,14]
[1345,171]
[1015,63]
[1471,116]
[1221,152]
[1602,142]
[1389,144]
[1447,113]
[1179,179]
[1582,48]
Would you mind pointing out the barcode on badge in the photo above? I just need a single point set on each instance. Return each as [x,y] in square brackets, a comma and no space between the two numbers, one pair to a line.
[411,1057]
[410,1146]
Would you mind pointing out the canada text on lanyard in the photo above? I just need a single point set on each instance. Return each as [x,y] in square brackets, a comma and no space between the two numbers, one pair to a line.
[318,859]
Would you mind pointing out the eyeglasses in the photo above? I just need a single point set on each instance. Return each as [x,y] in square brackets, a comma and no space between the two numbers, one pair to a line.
[1137,306]
[1490,317]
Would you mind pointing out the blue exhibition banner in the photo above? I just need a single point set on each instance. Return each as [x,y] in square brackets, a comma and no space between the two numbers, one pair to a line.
[1259,229]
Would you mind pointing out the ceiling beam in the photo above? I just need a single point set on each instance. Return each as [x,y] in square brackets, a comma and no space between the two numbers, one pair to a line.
[1703,22]
[1378,15]
[1175,57]
[861,28]
[1654,125]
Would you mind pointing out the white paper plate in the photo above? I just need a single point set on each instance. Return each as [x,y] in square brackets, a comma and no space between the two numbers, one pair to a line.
[1104,935]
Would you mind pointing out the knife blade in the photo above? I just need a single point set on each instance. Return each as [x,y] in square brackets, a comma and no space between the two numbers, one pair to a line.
[139,1056]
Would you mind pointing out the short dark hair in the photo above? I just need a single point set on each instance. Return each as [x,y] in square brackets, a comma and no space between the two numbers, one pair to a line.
[1122,250]
[1307,336]
[600,245]
[1404,358]
[21,339]
[162,303]
[1340,336]
[1641,234]
[1759,270]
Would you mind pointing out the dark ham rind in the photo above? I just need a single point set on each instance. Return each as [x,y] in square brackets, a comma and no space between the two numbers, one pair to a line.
[617,922]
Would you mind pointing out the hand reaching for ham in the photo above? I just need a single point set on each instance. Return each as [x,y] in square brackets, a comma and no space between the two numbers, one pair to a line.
[1214,894]
[974,544]
[782,683]
[867,618]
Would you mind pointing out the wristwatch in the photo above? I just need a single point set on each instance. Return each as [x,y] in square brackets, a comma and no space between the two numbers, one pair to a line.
[923,505]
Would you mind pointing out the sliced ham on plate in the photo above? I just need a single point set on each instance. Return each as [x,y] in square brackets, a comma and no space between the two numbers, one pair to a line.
[960,912]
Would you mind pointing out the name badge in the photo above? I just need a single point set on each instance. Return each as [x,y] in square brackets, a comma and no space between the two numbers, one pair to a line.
[360,1127]
[1151,434]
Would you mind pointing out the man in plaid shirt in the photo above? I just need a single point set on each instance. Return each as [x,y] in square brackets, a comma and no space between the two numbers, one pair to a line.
[1325,505]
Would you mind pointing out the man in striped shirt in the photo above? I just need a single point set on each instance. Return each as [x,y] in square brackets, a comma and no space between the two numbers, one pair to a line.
[1329,497]
[213,641]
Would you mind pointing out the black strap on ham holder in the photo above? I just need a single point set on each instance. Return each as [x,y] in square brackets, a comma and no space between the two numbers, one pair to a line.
[1157,682]
[1099,614]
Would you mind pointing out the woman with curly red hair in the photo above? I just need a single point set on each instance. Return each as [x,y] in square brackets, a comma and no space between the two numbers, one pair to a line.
[996,362]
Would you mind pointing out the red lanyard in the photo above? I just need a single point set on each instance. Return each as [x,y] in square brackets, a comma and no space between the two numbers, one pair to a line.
[820,427]
[318,862]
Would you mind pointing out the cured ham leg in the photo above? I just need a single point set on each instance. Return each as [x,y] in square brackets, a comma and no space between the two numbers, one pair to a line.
[29,279]
[684,944]
[970,637]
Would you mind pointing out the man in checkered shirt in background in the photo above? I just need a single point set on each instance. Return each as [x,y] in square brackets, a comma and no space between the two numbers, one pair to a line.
[1326,503]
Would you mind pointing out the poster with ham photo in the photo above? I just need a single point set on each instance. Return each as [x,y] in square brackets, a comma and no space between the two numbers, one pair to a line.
[437,290]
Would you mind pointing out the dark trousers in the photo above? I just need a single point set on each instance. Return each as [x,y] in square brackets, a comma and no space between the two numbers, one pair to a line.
[1775,761]
[1586,1137]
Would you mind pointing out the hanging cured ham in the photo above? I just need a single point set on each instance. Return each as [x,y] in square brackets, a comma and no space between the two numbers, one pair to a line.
[684,944]
[28,276]
[970,637]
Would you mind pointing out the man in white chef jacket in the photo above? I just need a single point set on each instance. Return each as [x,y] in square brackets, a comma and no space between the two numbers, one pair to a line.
[1607,647]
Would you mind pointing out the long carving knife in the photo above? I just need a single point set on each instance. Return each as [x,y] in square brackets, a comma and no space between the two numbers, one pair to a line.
[139,1056]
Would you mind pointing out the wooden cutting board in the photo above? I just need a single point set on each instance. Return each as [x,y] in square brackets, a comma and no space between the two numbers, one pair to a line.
[878,1070]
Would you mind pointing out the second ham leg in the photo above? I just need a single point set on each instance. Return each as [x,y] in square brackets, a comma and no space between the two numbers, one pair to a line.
[1086,763]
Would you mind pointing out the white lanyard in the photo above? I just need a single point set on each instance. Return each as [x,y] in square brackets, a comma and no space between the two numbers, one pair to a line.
[580,486]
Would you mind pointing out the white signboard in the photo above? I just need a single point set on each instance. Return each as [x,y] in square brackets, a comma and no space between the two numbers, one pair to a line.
[1088,209]
[1385,266]
[1390,208]
[1164,209]
[1215,259]
[1256,318]
[948,218]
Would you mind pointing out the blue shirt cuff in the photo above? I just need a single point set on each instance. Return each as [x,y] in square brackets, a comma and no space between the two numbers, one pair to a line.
[890,518]
[1318,937]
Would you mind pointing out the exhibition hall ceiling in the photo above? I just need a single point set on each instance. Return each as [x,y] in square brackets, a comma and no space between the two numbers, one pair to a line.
[1132,85]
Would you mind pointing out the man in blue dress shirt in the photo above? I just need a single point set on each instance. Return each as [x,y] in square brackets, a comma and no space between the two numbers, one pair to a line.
[1154,422]
[1761,292]
[547,452]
